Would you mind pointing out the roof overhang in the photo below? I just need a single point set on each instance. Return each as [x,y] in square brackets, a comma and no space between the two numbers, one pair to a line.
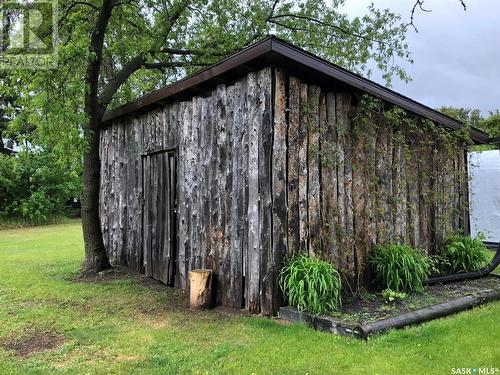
[276,52]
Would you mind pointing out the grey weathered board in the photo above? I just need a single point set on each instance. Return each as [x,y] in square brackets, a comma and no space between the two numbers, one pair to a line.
[158,215]
[269,166]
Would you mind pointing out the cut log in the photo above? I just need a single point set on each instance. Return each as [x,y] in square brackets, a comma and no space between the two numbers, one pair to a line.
[200,293]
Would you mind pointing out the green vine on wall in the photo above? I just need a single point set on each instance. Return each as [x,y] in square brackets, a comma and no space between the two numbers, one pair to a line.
[424,153]
[373,111]
[404,177]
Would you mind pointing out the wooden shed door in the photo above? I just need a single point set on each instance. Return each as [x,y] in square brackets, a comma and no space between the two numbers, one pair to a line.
[159,255]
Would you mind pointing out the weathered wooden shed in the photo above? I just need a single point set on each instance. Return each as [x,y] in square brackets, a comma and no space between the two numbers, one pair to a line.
[258,157]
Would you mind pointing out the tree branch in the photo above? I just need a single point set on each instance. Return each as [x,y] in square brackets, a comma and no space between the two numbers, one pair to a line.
[71,6]
[273,8]
[177,51]
[172,19]
[94,64]
[323,23]
[138,61]
[131,67]
[420,4]
[173,64]
[292,28]
[114,84]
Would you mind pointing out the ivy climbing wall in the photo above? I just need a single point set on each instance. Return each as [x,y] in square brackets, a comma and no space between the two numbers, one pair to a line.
[361,173]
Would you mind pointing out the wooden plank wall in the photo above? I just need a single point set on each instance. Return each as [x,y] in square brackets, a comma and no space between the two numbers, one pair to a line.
[267,167]
[350,187]
[226,207]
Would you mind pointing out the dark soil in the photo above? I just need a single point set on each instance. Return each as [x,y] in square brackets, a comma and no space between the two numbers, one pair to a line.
[368,307]
[32,342]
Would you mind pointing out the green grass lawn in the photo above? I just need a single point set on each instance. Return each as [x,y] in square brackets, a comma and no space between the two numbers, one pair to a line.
[128,326]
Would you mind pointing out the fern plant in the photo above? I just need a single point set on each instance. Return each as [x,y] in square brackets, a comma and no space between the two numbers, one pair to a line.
[310,284]
[465,253]
[399,267]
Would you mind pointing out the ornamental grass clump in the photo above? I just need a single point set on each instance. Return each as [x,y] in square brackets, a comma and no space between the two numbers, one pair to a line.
[465,253]
[310,284]
[399,267]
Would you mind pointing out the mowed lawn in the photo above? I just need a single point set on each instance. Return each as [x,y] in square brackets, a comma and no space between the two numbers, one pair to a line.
[130,326]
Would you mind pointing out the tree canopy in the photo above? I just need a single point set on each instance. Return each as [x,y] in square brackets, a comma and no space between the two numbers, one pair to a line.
[148,44]
[473,117]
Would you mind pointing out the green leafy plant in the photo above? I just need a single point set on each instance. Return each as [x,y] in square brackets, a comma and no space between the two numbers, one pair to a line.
[392,295]
[399,267]
[465,253]
[310,284]
[34,187]
[440,264]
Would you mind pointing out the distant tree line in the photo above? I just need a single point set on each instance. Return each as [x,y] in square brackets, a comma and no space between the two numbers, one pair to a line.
[473,117]
[35,188]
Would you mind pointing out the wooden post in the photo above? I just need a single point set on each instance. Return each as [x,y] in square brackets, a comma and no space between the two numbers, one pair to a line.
[200,295]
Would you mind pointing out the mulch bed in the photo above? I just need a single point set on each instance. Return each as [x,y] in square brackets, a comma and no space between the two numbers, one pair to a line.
[369,307]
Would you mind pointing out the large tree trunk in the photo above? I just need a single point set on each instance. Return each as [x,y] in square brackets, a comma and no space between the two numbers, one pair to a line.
[96,258]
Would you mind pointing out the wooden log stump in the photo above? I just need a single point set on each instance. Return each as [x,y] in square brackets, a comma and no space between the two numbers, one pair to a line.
[200,291]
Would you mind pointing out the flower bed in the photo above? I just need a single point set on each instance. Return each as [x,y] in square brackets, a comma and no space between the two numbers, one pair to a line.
[370,309]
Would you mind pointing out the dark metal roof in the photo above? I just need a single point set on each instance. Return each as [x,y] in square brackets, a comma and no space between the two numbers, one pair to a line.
[276,52]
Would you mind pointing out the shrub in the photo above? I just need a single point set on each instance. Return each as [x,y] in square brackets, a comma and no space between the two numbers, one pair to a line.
[310,284]
[34,187]
[465,253]
[399,267]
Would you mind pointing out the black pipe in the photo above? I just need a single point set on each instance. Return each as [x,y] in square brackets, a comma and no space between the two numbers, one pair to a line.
[427,313]
[491,245]
[485,271]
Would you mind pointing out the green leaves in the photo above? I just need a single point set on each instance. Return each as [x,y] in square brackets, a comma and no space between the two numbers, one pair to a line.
[34,188]
[52,101]
[399,267]
[391,295]
[310,284]
[465,253]
[208,31]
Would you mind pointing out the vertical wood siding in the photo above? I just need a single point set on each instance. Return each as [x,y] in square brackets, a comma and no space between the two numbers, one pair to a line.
[350,186]
[267,167]
[224,149]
